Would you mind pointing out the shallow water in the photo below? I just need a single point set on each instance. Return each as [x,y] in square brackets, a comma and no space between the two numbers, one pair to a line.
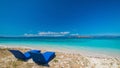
[101,45]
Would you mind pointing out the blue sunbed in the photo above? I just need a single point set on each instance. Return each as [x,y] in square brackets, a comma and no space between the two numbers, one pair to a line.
[23,56]
[42,58]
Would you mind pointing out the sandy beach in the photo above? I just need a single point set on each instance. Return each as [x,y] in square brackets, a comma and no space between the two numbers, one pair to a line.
[63,59]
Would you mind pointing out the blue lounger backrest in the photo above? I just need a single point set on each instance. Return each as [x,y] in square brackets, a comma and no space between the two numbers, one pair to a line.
[23,56]
[18,54]
[42,58]
[38,58]
[48,56]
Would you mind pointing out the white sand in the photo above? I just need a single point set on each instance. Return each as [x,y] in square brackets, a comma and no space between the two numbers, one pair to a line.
[70,51]
[71,58]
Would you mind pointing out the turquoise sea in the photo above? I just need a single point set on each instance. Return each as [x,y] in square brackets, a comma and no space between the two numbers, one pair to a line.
[93,44]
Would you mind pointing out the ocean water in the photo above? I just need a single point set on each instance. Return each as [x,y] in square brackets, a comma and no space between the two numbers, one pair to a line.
[92,44]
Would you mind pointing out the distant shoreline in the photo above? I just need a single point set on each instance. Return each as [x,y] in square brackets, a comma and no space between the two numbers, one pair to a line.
[68,37]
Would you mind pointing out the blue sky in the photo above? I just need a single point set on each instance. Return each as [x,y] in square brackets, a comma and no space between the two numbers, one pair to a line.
[85,17]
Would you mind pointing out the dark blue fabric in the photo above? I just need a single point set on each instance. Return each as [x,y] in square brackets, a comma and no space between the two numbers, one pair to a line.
[25,56]
[48,56]
[38,58]
[18,54]
[42,58]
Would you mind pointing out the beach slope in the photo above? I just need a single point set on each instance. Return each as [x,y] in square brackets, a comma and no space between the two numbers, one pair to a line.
[62,60]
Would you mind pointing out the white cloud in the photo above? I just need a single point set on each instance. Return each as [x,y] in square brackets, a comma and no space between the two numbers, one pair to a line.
[29,35]
[64,33]
[53,33]
[74,34]
[49,33]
